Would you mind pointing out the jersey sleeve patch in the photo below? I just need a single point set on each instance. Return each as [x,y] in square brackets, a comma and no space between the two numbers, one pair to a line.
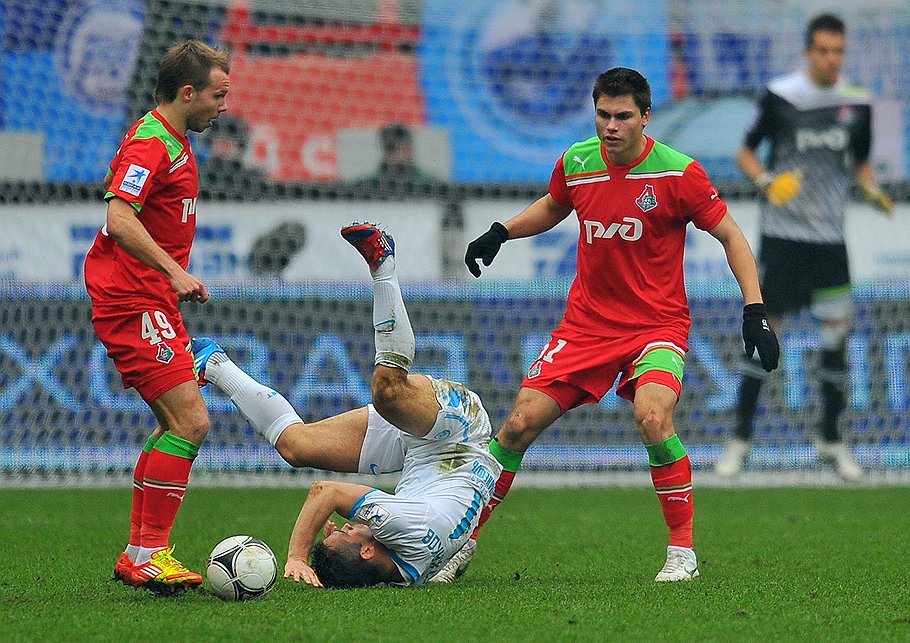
[134,180]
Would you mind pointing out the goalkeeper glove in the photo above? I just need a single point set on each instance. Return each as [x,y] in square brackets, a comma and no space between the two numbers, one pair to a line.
[877,197]
[780,188]
[757,333]
[485,247]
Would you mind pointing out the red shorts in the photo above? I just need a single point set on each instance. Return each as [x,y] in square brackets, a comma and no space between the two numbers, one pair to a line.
[576,369]
[150,347]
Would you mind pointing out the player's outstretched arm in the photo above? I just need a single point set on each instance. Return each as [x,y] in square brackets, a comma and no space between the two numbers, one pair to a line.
[323,499]
[538,217]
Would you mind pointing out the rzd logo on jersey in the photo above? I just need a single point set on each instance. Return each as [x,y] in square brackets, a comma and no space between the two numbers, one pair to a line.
[630,230]
[647,200]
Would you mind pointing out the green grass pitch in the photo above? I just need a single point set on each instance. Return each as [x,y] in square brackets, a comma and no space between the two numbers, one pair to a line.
[553,565]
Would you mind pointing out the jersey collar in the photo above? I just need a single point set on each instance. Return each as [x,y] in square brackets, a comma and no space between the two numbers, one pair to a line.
[180,137]
[649,145]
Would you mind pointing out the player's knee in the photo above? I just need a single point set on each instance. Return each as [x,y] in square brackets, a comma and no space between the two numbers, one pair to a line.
[518,432]
[388,386]
[655,423]
[292,450]
[193,427]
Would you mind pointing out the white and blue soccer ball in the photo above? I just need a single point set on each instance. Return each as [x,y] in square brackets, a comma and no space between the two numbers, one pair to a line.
[241,568]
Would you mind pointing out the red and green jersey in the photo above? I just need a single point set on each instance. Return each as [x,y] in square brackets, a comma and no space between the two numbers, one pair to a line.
[633,231]
[154,171]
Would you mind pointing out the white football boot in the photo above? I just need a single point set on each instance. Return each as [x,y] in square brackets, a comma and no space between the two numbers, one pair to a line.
[732,459]
[840,455]
[457,565]
[681,565]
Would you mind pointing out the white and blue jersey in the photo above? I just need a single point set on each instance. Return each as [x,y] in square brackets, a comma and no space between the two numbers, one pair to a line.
[447,478]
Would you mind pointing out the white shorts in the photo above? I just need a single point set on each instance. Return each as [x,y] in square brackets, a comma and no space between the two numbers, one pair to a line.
[383,447]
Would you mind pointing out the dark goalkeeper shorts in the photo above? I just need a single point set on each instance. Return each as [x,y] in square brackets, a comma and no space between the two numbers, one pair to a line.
[796,273]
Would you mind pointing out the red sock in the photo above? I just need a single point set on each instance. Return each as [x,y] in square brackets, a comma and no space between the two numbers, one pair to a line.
[673,484]
[136,510]
[164,484]
[503,484]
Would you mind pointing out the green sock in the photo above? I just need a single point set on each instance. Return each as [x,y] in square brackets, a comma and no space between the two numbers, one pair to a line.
[510,460]
[666,452]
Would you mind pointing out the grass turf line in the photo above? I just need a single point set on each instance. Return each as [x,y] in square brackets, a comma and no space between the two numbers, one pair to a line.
[552,565]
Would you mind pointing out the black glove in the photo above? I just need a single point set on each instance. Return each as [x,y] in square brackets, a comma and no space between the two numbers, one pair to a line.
[485,247]
[758,334]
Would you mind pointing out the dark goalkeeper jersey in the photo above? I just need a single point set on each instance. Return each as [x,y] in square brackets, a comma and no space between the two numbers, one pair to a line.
[822,131]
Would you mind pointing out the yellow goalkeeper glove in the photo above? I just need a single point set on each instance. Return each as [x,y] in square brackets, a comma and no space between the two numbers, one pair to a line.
[877,197]
[780,188]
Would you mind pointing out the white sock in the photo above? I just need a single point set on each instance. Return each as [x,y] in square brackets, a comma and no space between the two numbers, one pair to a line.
[267,411]
[144,554]
[393,333]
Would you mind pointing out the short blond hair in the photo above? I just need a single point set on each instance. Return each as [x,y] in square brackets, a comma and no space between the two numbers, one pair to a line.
[188,63]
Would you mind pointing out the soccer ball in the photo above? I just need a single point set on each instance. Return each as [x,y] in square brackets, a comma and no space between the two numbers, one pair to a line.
[241,568]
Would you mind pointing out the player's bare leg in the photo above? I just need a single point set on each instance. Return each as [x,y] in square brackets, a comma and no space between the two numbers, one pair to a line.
[671,473]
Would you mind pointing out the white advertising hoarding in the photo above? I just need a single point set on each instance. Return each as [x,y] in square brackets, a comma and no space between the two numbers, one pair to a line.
[47,243]
[41,243]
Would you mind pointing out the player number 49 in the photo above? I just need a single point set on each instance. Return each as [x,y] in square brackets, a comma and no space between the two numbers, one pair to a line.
[155,330]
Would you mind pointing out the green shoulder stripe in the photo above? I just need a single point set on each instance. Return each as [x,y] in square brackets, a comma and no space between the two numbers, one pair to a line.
[662,158]
[584,158]
[854,91]
[151,127]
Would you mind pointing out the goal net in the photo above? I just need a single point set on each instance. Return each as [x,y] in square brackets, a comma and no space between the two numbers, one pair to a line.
[434,118]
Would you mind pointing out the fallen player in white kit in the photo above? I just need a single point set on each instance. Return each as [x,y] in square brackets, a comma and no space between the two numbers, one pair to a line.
[435,432]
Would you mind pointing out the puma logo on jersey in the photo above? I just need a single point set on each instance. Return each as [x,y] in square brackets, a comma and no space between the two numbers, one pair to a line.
[578,160]
[630,230]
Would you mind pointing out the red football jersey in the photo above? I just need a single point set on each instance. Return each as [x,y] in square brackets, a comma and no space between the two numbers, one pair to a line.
[155,171]
[633,231]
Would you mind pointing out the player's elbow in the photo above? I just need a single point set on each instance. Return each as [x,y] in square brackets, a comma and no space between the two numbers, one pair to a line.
[119,216]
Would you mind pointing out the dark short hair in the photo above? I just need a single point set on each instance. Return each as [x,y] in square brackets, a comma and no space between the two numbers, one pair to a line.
[824,22]
[394,135]
[622,81]
[188,63]
[342,567]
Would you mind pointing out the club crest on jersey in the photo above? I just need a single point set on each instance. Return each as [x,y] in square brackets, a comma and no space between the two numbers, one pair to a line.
[534,371]
[165,353]
[846,116]
[135,179]
[647,200]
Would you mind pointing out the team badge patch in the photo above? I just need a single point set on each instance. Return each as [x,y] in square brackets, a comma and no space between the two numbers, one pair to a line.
[647,200]
[135,179]
[165,353]
[373,515]
[534,371]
